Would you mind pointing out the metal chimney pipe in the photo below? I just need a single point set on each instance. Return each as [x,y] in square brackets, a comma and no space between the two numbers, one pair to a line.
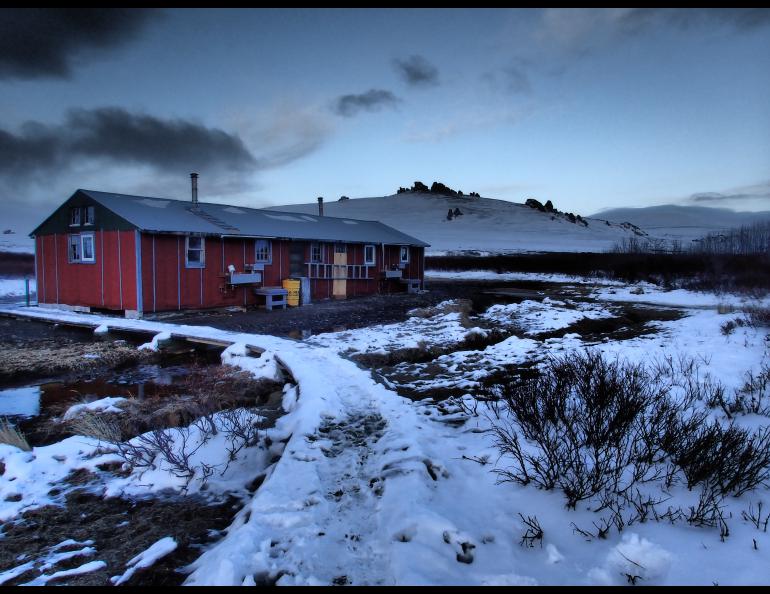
[194,180]
[320,206]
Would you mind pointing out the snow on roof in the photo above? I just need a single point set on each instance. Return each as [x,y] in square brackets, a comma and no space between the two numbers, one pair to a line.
[180,216]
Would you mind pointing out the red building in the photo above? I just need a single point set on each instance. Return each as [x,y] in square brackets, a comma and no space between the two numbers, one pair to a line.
[139,255]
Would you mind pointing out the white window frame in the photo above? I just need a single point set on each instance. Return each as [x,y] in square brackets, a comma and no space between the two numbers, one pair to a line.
[320,248]
[403,250]
[187,249]
[83,238]
[75,216]
[373,260]
[266,249]
[88,215]
[78,240]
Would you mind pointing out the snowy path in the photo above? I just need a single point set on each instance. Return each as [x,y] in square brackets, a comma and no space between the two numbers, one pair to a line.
[318,517]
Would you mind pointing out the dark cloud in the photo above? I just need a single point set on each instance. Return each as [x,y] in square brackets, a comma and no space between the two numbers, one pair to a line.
[739,19]
[572,34]
[417,71]
[47,42]
[373,100]
[724,198]
[752,198]
[122,138]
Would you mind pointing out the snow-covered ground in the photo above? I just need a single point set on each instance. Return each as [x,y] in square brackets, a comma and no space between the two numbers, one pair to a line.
[373,488]
[15,288]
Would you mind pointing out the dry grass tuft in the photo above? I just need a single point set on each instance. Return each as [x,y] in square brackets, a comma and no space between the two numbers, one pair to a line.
[11,435]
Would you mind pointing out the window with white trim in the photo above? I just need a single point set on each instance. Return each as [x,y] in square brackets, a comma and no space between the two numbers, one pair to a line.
[370,255]
[87,253]
[404,254]
[316,253]
[263,251]
[81,248]
[195,252]
[75,216]
[88,215]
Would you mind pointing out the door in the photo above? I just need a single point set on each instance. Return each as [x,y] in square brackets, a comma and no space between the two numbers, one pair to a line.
[340,271]
[297,259]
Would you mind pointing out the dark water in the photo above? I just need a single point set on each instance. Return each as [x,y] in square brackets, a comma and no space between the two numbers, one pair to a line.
[51,398]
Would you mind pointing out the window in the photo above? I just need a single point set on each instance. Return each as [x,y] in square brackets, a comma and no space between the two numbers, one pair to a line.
[196,252]
[87,252]
[316,253]
[404,257]
[81,248]
[340,248]
[88,215]
[73,253]
[75,216]
[369,255]
[263,251]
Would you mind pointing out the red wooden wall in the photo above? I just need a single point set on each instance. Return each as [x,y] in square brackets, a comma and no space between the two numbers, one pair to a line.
[109,282]
[167,284]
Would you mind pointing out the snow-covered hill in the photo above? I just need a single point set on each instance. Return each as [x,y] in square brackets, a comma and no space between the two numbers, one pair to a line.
[683,222]
[487,225]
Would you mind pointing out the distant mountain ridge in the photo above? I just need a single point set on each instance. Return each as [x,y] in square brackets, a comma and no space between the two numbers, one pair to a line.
[671,221]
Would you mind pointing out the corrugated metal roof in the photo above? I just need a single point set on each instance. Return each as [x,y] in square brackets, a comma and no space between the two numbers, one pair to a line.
[181,216]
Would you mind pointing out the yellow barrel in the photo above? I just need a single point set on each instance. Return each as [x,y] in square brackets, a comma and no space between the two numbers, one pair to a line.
[292,286]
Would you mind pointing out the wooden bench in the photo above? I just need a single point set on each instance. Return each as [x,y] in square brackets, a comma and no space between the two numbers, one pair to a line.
[274,297]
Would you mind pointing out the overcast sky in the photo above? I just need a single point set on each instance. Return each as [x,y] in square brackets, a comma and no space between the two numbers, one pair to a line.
[588,108]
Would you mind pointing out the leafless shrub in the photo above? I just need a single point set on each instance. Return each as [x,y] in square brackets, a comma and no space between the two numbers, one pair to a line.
[533,533]
[730,460]
[759,317]
[599,430]
[241,429]
[593,423]
[755,517]
[728,327]
[754,396]
[174,449]
[709,511]
[12,435]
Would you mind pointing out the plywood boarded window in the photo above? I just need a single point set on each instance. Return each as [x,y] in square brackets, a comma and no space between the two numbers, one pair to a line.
[196,252]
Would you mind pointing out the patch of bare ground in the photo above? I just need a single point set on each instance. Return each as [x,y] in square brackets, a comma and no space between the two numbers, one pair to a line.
[632,321]
[120,529]
[36,350]
[407,384]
